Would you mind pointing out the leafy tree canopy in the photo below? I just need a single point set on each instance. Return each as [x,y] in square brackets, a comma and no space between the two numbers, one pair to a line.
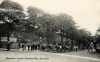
[12,10]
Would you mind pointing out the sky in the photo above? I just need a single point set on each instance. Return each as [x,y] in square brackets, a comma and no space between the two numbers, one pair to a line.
[86,13]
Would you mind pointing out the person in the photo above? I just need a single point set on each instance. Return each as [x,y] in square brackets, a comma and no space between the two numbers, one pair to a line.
[23,47]
[8,46]
[71,47]
[76,49]
[35,46]
[82,46]
[28,47]
[44,46]
[94,43]
[60,47]
[19,45]
[31,47]
[57,47]
[38,46]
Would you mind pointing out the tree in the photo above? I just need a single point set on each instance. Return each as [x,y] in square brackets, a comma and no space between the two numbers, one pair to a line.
[11,13]
[84,37]
[97,36]
[52,23]
[66,24]
[34,13]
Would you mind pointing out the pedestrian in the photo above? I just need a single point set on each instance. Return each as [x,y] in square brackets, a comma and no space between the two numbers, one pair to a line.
[19,45]
[68,48]
[28,47]
[60,48]
[57,47]
[44,46]
[72,47]
[76,49]
[8,46]
[94,43]
[38,46]
[23,47]
[35,46]
[31,47]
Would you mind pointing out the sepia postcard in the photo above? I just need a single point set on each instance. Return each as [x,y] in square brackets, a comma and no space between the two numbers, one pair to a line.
[49,31]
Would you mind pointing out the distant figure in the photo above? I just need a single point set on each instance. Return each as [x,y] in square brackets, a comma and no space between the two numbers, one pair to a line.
[31,47]
[28,47]
[8,46]
[35,47]
[87,46]
[19,45]
[72,47]
[57,47]
[60,47]
[38,46]
[82,46]
[44,46]
[23,47]
[76,49]
[94,43]
[69,48]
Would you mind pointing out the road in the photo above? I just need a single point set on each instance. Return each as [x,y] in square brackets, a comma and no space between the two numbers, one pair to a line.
[40,56]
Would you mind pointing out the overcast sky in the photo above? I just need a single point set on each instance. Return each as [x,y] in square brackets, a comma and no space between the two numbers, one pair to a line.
[86,13]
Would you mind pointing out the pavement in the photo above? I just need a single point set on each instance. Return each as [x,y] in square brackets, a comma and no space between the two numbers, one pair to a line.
[16,55]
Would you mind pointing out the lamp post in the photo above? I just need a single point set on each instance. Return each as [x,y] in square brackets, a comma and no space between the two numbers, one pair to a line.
[62,32]
[40,42]
[53,30]
[48,30]
[41,34]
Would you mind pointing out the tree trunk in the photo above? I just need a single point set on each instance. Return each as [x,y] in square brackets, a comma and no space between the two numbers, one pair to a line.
[0,41]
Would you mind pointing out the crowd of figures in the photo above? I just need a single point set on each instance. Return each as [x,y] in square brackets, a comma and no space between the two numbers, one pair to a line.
[56,47]
[30,47]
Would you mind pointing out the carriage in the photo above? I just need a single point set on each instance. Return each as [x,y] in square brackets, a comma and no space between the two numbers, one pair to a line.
[98,47]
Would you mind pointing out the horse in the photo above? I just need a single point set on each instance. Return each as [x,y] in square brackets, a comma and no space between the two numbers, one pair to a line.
[91,47]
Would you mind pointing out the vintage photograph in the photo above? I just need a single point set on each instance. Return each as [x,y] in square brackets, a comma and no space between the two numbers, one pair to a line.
[49,31]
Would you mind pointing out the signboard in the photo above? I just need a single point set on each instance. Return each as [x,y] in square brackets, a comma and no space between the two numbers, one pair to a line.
[13,39]
[3,9]
[4,39]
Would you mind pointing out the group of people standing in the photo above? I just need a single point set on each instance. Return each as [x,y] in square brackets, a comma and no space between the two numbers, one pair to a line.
[57,47]
[30,47]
